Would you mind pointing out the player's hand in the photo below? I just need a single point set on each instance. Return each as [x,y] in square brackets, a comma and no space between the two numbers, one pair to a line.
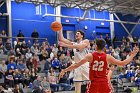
[112,68]
[135,51]
[61,74]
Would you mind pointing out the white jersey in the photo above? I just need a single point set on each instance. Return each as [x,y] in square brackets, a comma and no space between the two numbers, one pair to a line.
[82,72]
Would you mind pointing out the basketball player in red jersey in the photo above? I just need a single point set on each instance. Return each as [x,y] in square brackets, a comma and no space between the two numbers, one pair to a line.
[98,67]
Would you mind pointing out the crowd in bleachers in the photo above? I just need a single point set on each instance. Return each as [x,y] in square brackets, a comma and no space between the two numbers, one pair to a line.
[21,67]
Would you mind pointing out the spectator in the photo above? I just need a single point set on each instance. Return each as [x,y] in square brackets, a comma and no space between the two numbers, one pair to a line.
[60,51]
[47,66]
[9,77]
[28,55]
[53,80]
[108,40]
[23,48]
[16,76]
[34,34]
[8,46]
[52,55]
[35,61]
[21,67]
[46,85]
[29,44]
[56,65]
[21,36]
[4,36]
[1,47]
[37,85]
[3,69]
[37,43]
[27,77]
[33,75]
[63,82]
[17,89]
[11,64]
[55,49]
[11,52]
[44,54]
[16,41]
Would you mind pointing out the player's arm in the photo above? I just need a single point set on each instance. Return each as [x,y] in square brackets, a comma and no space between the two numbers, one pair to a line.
[112,60]
[111,69]
[80,46]
[62,39]
[87,58]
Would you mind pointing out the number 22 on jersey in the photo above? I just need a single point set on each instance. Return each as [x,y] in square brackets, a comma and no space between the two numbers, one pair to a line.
[98,66]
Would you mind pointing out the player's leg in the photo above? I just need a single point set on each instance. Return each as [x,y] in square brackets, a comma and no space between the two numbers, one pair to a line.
[77,87]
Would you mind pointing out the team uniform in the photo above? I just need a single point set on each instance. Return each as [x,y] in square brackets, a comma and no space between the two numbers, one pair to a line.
[98,74]
[81,73]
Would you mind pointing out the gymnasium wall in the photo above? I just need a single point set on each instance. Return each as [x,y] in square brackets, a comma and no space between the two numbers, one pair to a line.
[94,28]
[24,18]
[3,19]
[120,31]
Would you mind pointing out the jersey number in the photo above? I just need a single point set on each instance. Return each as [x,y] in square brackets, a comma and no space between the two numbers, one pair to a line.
[98,66]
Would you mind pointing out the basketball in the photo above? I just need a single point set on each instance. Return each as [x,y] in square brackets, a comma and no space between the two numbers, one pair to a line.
[56,26]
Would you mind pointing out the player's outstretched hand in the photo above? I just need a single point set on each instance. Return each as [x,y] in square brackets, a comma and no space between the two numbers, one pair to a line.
[135,51]
[61,74]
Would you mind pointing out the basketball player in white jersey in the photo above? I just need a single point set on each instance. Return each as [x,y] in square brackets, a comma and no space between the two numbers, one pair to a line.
[80,48]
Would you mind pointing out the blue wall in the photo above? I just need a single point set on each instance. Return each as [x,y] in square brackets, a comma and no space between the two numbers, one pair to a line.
[3,19]
[120,31]
[92,25]
[24,18]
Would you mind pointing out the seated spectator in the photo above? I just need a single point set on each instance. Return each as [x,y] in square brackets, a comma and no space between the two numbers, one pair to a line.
[21,36]
[137,79]
[53,80]
[37,85]
[56,65]
[9,78]
[17,89]
[63,82]
[46,85]
[47,66]
[28,55]
[37,43]
[21,66]
[33,75]
[23,48]
[44,54]
[3,68]
[35,61]
[11,52]
[16,41]
[18,53]
[18,45]
[8,46]
[29,63]
[4,36]
[11,64]
[1,47]
[17,77]
[34,35]
[29,44]
[27,77]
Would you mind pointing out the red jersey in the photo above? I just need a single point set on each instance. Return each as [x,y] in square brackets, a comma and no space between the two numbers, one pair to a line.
[98,67]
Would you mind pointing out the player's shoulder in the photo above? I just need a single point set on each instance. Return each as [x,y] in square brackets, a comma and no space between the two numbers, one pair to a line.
[85,40]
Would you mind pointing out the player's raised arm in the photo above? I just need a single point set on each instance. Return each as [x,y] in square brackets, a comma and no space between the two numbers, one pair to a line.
[112,60]
[77,46]
[87,58]
[62,39]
